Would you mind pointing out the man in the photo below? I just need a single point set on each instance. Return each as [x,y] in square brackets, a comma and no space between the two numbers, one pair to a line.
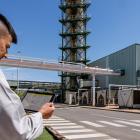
[14,123]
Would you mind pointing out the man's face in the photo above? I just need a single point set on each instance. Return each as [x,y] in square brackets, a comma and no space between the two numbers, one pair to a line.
[5,43]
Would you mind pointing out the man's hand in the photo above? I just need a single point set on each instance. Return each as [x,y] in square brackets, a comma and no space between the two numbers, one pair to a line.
[47,110]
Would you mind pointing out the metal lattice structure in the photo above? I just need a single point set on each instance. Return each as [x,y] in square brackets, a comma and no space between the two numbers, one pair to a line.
[74,39]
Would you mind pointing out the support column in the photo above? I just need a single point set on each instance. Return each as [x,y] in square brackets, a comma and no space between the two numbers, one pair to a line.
[93,90]
[78,97]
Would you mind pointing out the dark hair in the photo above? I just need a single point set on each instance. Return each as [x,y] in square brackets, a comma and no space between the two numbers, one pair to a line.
[9,28]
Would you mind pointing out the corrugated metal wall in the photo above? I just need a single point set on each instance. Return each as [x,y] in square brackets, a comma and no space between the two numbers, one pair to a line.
[128,59]
[124,59]
[101,63]
[138,64]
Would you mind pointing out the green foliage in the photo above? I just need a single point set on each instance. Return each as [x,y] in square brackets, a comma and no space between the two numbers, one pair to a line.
[45,136]
[20,93]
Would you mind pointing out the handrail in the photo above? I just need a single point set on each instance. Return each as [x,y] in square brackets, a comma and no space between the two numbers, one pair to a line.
[81,59]
[47,64]
[49,61]
[75,16]
[75,31]
[73,45]
[74,3]
[41,60]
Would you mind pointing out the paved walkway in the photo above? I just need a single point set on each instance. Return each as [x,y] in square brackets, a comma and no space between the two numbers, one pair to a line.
[73,131]
[110,108]
[89,129]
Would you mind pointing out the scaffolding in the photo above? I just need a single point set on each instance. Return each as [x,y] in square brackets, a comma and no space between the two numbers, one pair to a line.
[74,46]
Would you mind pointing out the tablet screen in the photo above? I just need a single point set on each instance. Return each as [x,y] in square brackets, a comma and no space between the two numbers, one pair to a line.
[34,100]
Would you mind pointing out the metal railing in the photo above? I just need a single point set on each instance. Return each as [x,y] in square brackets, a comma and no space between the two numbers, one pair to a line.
[89,58]
[74,58]
[68,73]
[75,30]
[63,73]
[47,64]
[74,3]
[74,17]
[70,87]
[22,59]
[73,45]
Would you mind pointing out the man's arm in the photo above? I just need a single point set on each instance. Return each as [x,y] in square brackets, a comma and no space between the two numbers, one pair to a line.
[46,112]
[15,124]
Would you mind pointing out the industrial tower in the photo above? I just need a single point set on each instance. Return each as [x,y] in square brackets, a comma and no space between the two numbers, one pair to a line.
[74,39]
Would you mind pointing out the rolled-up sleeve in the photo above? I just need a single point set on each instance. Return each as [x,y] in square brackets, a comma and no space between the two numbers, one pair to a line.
[33,124]
[15,125]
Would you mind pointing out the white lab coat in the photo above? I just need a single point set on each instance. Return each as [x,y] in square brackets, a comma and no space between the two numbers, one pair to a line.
[14,123]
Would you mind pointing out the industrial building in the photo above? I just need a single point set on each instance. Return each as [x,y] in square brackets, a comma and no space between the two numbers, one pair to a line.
[77,88]
[127,59]
[51,87]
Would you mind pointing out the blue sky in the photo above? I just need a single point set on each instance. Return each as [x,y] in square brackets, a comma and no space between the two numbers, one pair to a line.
[115,24]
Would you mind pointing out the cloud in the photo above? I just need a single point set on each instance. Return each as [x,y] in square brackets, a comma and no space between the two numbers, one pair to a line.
[9,69]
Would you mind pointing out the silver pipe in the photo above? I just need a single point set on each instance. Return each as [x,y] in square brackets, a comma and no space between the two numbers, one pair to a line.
[113,85]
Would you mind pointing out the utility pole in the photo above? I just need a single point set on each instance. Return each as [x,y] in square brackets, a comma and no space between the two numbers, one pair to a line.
[17,71]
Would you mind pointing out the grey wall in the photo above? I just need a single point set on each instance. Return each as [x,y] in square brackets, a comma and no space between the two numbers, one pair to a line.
[124,59]
[101,63]
[12,83]
[138,64]
[128,59]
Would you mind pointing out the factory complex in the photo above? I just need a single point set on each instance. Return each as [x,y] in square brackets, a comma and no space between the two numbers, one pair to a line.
[111,80]
[95,89]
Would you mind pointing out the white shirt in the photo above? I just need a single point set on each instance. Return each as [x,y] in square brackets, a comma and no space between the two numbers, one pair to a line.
[14,123]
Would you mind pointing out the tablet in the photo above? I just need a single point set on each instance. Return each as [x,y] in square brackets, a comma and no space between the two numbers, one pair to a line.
[34,100]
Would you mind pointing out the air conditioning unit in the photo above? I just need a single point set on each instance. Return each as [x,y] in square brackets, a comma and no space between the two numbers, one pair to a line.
[129,98]
[70,98]
[101,97]
[113,98]
[85,98]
